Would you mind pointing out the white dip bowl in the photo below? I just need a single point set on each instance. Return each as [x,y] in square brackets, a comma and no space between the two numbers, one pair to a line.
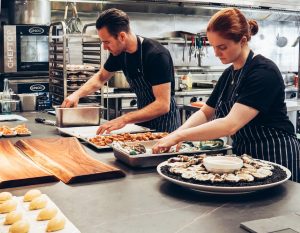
[222,164]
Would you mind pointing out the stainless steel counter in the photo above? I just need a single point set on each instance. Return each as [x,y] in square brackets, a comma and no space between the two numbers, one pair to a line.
[177,93]
[142,202]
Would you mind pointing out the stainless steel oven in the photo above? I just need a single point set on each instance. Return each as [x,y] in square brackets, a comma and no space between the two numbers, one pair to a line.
[25,48]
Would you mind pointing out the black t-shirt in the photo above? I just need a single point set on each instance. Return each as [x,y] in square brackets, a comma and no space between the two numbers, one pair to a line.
[157,64]
[262,88]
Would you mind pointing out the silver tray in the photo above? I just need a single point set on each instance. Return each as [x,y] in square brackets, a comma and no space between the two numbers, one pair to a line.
[84,133]
[152,160]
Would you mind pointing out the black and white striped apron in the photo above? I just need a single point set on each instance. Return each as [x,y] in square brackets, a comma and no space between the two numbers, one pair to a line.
[143,90]
[259,141]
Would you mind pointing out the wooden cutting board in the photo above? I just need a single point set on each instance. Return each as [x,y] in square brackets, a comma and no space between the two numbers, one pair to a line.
[66,159]
[17,170]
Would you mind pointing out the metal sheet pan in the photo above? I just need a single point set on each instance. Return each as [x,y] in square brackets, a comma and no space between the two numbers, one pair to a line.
[152,160]
[84,133]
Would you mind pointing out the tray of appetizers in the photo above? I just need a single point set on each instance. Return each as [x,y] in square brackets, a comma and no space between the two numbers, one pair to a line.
[139,154]
[19,130]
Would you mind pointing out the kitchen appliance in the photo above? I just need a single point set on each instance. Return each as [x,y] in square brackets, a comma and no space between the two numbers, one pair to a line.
[33,91]
[25,48]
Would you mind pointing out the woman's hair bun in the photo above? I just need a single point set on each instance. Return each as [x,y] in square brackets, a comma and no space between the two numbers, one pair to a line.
[253,26]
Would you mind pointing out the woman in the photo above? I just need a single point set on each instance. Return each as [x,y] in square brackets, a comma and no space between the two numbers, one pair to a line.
[247,102]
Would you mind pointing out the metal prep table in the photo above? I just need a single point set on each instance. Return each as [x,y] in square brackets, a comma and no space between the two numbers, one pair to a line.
[143,202]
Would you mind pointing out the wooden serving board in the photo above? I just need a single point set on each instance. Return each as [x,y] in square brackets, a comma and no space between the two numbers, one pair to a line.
[17,170]
[66,159]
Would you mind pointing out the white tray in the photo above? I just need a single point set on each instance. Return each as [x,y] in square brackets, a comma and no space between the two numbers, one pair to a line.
[90,131]
[30,216]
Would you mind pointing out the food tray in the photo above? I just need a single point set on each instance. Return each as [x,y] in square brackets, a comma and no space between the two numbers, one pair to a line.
[30,216]
[152,160]
[84,133]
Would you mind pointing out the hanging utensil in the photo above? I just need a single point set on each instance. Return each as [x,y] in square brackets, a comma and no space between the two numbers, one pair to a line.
[66,16]
[192,48]
[74,24]
[185,43]
[281,41]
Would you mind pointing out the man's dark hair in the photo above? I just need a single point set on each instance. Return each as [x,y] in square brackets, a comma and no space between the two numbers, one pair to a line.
[114,20]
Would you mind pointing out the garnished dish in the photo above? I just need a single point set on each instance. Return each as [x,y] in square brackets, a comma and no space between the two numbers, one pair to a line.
[139,154]
[7,132]
[20,130]
[230,174]
[107,140]
[186,147]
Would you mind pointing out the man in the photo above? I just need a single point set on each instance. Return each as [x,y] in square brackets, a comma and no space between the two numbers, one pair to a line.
[148,68]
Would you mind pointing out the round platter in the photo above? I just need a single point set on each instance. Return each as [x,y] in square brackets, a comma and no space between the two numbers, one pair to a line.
[224,190]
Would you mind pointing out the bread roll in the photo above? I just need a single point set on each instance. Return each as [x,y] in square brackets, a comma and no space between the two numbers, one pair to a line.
[21,226]
[38,203]
[31,194]
[12,217]
[55,224]
[46,213]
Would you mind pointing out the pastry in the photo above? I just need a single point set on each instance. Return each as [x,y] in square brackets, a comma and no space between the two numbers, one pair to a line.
[46,214]
[55,224]
[8,206]
[12,217]
[31,194]
[38,203]
[4,196]
[21,226]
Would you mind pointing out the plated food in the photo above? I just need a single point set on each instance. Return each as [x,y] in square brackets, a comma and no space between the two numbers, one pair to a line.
[190,171]
[107,140]
[139,154]
[19,130]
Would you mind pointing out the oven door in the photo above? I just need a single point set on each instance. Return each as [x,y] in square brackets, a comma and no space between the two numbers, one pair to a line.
[32,48]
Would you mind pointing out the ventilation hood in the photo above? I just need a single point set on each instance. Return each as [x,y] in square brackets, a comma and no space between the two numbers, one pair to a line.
[287,10]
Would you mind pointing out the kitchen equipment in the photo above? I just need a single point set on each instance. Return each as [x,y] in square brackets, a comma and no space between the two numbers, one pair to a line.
[25,48]
[65,78]
[90,131]
[45,121]
[151,160]
[82,115]
[17,170]
[8,106]
[67,159]
[28,101]
[281,41]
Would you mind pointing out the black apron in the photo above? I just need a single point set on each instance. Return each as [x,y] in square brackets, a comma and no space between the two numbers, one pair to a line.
[257,140]
[143,90]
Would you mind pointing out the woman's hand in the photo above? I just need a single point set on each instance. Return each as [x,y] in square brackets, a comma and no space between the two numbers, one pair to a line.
[164,144]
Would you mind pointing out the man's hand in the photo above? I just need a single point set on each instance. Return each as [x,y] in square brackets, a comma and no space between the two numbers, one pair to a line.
[109,126]
[71,101]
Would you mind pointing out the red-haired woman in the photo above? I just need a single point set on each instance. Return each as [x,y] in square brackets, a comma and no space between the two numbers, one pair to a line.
[247,102]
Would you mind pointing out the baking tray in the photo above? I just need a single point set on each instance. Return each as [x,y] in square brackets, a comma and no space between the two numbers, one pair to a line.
[152,160]
[109,146]
[84,133]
